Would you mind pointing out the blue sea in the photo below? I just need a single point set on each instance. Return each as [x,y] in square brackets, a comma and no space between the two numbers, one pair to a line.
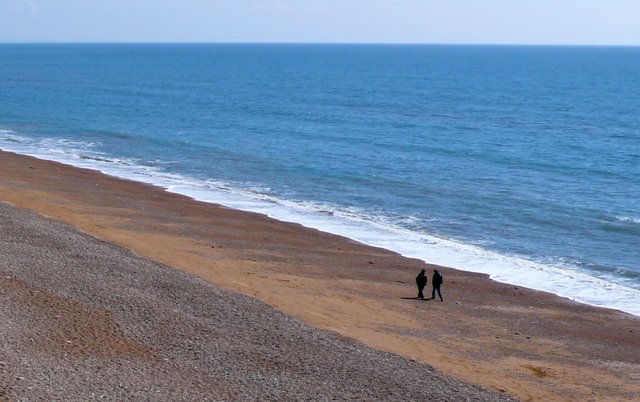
[522,162]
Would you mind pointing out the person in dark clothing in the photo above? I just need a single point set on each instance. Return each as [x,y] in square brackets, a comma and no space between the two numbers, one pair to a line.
[421,281]
[436,282]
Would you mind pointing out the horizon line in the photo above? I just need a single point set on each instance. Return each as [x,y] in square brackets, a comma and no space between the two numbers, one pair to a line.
[2,42]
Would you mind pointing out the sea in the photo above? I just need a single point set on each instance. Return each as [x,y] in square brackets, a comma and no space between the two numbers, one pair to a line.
[521,162]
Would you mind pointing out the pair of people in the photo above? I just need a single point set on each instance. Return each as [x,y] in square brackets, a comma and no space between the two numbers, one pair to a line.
[436,282]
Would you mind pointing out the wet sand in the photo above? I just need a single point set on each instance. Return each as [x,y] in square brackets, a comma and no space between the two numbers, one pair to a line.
[528,344]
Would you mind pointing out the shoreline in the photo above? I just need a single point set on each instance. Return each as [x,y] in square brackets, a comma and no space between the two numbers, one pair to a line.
[511,270]
[500,336]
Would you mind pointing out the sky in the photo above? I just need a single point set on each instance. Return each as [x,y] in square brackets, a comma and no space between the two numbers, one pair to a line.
[559,22]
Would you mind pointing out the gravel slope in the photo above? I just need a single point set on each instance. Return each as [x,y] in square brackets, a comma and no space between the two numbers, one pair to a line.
[82,319]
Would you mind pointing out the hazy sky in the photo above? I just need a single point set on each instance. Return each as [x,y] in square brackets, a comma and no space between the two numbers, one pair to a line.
[598,22]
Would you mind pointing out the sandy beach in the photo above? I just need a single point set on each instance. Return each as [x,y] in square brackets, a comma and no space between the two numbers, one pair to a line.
[151,295]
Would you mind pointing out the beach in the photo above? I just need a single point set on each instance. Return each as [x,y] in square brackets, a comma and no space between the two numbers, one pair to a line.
[304,311]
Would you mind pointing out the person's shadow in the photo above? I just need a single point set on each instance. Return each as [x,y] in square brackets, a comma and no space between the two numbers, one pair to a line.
[415,298]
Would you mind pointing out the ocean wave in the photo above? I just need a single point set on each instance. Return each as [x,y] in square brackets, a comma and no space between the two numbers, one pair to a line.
[66,144]
[7,135]
[628,219]
[621,224]
[626,273]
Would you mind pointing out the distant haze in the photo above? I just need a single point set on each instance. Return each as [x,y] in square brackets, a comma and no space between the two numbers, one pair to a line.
[576,22]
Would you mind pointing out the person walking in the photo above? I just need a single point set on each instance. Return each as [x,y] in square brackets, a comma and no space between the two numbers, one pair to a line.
[436,282]
[421,281]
